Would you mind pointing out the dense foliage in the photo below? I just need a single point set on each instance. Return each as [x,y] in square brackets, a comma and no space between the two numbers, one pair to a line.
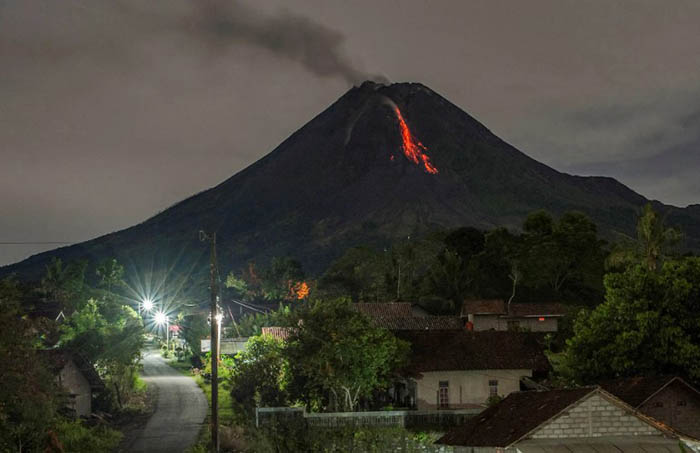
[259,375]
[28,394]
[552,259]
[95,323]
[336,356]
[333,359]
[649,324]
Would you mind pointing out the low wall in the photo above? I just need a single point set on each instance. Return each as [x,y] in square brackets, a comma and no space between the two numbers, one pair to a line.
[405,419]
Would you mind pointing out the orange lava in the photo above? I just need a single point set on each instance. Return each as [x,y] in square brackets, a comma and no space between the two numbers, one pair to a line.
[412,148]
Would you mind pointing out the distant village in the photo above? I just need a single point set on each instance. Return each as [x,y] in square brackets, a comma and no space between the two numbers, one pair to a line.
[346,362]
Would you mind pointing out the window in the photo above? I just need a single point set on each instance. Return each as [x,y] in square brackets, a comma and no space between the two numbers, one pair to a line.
[493,387]
[444,394]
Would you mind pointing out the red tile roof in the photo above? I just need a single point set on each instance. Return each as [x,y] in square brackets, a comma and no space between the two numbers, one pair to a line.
[385,309]
[500,307]
[453,350]
[483,307]
[515,416]
[537,309]
[419,322]
[636,390]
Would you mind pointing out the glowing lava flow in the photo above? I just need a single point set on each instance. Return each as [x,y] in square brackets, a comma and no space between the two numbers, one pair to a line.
[412,148]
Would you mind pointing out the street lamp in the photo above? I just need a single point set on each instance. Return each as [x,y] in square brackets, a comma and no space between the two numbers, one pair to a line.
[145,305]
[161,318]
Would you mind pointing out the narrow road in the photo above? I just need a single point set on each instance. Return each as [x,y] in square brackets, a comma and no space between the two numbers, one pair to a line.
[179,413]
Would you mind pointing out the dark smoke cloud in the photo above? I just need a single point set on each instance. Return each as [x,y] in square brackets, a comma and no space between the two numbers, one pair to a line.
[315,46]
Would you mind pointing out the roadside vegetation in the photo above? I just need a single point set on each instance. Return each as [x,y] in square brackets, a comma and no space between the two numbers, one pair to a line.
[96,324]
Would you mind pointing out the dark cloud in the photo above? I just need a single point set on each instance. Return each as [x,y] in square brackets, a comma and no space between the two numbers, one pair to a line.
[316,47]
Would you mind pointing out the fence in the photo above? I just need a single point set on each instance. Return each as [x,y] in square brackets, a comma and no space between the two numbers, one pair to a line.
[406,419]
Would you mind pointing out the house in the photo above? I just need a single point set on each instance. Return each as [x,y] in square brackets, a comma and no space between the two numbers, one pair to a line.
[458,369]
[76,376]
[585,419]
[495,314]
[389,309]
[668,399]
[406,316]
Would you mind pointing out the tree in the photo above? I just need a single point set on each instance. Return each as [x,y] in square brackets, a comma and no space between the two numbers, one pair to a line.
[65,284]
[194,328]
[336,355]
[114,346]
[361,274]
[563,256]
[653,244]
[275,282]
[259,375]
[648,324]
[497,268]
[27,393]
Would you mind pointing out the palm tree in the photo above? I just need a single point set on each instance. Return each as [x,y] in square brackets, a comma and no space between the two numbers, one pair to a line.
[654,241]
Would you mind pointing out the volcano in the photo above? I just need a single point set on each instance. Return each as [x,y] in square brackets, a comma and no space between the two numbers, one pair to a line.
[382,162]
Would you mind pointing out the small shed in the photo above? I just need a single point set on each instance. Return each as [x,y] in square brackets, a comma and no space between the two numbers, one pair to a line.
[76,376]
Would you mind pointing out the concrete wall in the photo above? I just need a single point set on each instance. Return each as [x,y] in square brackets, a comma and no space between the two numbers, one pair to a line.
[496,322]
[486,322]
[677,406]
[74,383]
[594,416]
[466,388]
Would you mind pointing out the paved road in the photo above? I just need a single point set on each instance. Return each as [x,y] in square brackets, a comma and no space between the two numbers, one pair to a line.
[179,413]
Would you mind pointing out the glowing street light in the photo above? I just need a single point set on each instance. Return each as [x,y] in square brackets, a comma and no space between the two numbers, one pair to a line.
[145,305]
[160,319]
[219,317]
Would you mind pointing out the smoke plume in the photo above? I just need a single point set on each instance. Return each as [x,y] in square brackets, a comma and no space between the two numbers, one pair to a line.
[315,46]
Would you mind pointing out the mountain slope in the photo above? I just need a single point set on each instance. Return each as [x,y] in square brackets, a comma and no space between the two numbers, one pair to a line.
[380,163]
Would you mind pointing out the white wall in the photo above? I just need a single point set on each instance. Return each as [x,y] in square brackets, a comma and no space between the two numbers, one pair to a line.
[74,383]
[495,322]
[594,416]
[466,388]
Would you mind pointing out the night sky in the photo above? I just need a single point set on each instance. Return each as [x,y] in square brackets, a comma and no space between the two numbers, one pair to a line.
[113,110]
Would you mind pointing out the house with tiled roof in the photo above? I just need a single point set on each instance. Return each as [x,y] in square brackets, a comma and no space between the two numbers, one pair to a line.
[458,369]
[668,399]
[406,316]
[497,314]
[586,419]
[76,377]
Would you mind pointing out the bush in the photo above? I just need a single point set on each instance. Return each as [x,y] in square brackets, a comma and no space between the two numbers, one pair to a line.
[196,361]
[78,438]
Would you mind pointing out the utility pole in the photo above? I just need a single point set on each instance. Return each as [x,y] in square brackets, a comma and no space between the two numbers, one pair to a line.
[211,238]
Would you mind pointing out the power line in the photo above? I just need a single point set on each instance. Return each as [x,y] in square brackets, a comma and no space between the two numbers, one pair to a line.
[34,242]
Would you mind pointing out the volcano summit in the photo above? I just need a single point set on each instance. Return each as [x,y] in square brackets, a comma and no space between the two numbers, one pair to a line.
[382,162]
